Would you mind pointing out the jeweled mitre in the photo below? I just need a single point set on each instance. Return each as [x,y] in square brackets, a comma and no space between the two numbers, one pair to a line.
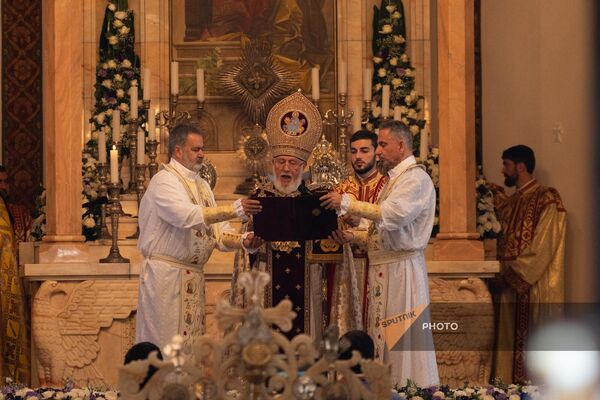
[294,126]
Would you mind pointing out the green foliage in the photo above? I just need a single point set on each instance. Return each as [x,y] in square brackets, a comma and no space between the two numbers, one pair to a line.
[392,67]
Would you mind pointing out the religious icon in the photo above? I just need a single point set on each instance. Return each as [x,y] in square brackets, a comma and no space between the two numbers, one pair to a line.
[294,123]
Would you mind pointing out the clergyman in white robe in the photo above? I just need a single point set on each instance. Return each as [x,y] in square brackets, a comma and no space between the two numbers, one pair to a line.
[400,229]
[179,228]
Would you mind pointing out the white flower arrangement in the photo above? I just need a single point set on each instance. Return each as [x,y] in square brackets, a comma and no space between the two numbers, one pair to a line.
[13,391]
[488,225]
[392,67]
[496,391]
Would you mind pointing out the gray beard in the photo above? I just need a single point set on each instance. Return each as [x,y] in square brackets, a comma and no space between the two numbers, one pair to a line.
[289,189]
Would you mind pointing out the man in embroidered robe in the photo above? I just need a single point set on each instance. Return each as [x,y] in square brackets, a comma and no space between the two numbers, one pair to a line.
[180,226]
[14,344]
[20,215]
[293,128]
[530,289]
[364,185]
[400,227]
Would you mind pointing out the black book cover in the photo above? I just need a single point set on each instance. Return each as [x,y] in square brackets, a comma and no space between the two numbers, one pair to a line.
[294,219]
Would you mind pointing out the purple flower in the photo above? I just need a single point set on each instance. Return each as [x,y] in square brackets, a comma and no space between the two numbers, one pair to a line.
[400,71]
[31,393]
[129,74]
[102,73]
[7,390]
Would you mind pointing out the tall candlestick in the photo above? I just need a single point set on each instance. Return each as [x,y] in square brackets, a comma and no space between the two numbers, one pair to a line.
[367,87]
[102,147]
[316,89]
[147,78]
[200,84]
[397,113]
[342,78]
[385,101]
[114,165]
[174,77]
[141,146]
[116,126]
[356,120]
[151,124]
[424,145]
[133,102]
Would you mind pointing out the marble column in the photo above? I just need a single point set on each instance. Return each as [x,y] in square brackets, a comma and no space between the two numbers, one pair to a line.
[458,239]
[63,107]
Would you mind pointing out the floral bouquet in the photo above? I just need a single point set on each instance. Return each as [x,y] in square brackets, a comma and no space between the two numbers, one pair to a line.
[488,225]
[498,391]
[391,66]
[12,391]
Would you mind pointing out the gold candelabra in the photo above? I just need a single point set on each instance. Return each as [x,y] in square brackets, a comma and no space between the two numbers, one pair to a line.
[103,189]
[152,145]
[114,255]
[140,188]
[342,119]
[172,117]
[132,137]
[200,109]
[152,165]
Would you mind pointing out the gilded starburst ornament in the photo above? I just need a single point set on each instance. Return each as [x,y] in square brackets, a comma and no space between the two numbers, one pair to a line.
[258,81]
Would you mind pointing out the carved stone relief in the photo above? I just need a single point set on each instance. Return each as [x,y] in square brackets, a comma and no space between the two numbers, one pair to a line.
[465,353]
[75,326]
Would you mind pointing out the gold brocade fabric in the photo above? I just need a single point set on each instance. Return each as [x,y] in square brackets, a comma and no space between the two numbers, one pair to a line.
[365,192]
[364,189]
[531,251]
[14,345]
[216,214]
[21,222]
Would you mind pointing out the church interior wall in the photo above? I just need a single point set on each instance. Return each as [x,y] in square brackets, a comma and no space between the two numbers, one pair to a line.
[537,90]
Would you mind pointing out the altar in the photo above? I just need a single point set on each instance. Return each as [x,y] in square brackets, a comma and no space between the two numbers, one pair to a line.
[93,305]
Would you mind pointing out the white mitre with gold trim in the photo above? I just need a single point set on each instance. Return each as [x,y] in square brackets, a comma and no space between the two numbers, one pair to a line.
[294,126]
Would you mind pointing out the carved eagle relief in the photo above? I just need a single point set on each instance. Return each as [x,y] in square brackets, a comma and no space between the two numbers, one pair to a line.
[66,322]
[464,354]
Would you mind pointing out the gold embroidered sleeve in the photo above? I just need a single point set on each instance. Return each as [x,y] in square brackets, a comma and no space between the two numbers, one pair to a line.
[213,215]
[360,238]
[231,240]
[365,210]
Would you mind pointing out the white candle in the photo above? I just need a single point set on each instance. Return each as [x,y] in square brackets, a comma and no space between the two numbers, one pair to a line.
[316,89]
[397,113]
[424,145]
[147,78]
[114,165]
[200,84]
[342,78]
[367,91]
[385,101]
[141,146]
[151,124]
[133,102]
[102,147]
[116,126]
[174,77]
